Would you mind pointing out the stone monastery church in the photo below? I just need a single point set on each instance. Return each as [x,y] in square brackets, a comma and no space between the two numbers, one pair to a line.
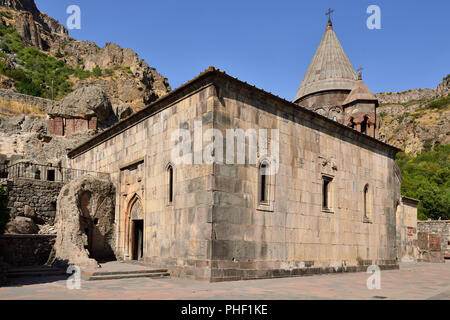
[331,207]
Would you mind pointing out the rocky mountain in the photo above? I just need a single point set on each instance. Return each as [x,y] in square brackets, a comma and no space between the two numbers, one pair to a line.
[124,77]
[415,120]
[61,77]
[36,28]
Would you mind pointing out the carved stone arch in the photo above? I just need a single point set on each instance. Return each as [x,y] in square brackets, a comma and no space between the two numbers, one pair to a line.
[367,203]
[169,172]
[134,212]
[265,191]
[321,110]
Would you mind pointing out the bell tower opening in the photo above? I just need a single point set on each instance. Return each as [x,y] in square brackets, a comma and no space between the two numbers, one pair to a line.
[364,125]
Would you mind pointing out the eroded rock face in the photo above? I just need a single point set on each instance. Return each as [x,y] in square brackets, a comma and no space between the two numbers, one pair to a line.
[415,94]
[36,28]
[22,225]
[85,222]
[123,111]
[85,103]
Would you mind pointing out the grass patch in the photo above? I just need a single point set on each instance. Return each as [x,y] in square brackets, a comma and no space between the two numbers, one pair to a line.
[14,108]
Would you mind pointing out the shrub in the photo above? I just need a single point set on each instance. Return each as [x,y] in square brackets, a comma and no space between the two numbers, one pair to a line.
[6,14]
[40,69]
[97,71]
[109,72]
[439,104]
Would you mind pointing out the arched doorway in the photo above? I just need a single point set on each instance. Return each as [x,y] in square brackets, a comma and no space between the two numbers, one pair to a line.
[136,230]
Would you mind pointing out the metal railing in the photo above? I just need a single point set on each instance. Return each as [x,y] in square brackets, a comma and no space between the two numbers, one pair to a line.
[28,170]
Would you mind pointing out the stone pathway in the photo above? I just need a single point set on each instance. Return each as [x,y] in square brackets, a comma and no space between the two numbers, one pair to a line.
[412,281]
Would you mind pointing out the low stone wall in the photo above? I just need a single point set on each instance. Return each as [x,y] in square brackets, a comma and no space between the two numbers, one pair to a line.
[407,230]
[11,96]
[433,239]
[39,195]
[26,250]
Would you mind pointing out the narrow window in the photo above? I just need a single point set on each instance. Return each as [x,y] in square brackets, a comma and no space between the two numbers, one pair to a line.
[263,188]
[51,175]
[326,193]
[170,174]
[37,175]
[263,184]
[364,125]
[366,191]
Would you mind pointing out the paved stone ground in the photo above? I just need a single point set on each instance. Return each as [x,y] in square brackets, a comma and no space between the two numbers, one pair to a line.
[412,281]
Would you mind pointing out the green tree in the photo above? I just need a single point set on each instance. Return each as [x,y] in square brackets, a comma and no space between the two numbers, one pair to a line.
[427,178]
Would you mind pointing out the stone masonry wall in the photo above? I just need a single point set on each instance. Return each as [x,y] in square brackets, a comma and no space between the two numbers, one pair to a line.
[294,234]
[214,229]
[26,250]
[433,240]
[39,195]
[407,250]
[177,235]
[11,96]
[67,127]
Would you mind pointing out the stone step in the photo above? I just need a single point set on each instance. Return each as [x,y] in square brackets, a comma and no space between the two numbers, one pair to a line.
[34,272]
[122,272]
[117,276]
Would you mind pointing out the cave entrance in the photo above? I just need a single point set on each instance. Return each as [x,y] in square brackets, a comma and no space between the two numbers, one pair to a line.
[138,239]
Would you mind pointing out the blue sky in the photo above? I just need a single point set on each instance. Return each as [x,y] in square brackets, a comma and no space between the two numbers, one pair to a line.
[271,43]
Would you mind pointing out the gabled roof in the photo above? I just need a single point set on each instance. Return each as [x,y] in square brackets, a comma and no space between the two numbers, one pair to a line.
[204,79]
[330,68]
[360,92]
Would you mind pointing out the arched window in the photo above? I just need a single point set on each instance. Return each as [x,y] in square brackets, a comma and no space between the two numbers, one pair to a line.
[326,193]
[264,182]
[170,183]
[366,204]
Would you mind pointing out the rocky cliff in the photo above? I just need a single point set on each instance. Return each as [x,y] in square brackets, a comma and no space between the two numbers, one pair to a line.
[124,77]
[39,58]
[415,120]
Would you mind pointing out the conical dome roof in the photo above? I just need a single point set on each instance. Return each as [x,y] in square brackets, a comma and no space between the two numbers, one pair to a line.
[330,69]
[360,92]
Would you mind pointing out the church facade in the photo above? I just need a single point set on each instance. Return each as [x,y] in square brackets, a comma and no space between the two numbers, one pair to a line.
[330,206]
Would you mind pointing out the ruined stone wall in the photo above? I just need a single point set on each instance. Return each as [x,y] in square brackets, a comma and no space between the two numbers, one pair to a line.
[178,234]
[26,250]
[40,196]
[433,240]
[407,230]
[8,96]
[294,235]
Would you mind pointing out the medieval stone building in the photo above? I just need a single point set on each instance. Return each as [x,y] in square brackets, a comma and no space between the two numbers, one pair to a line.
[330,207]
